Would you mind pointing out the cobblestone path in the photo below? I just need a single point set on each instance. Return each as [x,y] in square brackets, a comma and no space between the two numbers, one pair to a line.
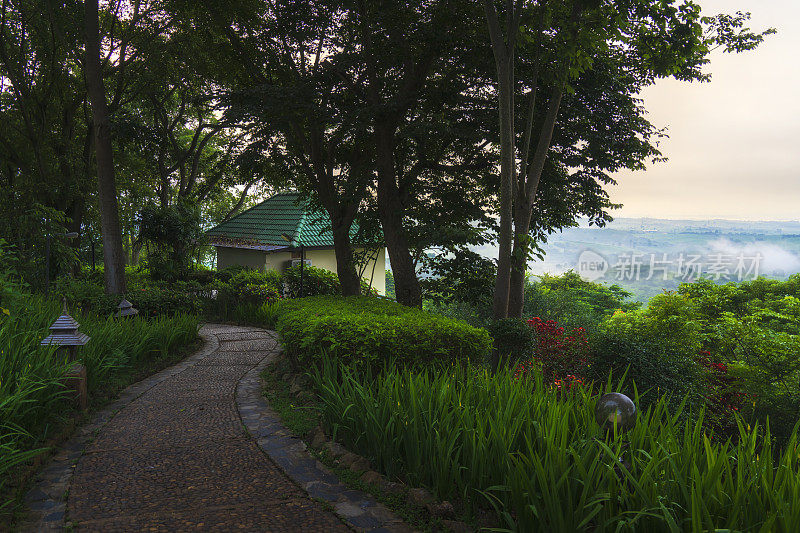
[178,458]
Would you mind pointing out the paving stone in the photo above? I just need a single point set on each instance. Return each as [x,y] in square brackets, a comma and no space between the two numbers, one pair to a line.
[177,457]
[172,454]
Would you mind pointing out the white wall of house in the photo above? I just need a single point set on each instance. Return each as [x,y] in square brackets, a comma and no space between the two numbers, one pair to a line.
[320,258]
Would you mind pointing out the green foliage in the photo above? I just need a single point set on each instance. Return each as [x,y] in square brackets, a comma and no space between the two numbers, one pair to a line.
[152,299]
[253,287]
[173,231]
[460,311]
[464,276]
[316,282]
[243,277]
[658,348]
[264,315]
[373,332]
[574,302]
[11,289]
[390,284]
[754,327]
[539,456]
[513,339]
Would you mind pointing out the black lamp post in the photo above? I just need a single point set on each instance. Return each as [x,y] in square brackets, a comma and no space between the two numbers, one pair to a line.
[68,235]
[290,240]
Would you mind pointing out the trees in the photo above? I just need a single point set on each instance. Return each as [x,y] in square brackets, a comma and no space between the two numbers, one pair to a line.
[113,255]
[377,110]
[44,142]
[558,42]
[420,86]
[161,85]
[297,111]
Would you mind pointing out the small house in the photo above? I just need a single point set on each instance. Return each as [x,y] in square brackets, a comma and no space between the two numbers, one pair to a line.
[274,234]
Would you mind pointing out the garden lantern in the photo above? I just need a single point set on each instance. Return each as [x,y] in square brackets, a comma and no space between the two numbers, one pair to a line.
[64,334]
[615,407]
[126,309]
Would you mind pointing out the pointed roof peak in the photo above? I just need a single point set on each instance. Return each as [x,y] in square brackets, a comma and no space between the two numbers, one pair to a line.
[263,225]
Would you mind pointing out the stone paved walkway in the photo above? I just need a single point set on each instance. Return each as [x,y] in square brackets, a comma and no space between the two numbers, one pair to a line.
[178,458]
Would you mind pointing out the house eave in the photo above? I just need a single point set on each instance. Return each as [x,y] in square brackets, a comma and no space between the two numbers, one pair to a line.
[223,242]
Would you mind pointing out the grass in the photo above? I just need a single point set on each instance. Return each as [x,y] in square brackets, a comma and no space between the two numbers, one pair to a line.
[538,457]
[302,416]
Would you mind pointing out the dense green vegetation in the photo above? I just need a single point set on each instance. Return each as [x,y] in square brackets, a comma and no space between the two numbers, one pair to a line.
[538,455]
[715,445]
[375,332]
[180,110]
[32,396]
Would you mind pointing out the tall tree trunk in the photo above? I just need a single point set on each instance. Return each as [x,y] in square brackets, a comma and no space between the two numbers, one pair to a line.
[522,222]
[505,74]
[527,189]
[113,254]
[345,263]
[136,250]
[390,206]
[503,50]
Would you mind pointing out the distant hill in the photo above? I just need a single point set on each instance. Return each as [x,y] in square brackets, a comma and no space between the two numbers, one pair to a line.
[726,250]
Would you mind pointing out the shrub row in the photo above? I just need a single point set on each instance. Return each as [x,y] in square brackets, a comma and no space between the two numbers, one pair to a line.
[372,331]
[224,295]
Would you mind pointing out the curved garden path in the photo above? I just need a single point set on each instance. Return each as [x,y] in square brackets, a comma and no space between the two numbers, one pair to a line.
[177,457]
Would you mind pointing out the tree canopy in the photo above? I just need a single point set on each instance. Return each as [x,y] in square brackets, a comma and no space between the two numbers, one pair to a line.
[439,125]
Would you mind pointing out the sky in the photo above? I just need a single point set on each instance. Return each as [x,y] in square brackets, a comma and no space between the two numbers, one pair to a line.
[734,143]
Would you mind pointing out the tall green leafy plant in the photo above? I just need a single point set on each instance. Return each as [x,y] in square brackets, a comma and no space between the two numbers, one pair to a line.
[536,454]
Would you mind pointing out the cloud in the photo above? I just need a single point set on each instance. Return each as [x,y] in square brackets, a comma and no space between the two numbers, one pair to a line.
[773,257]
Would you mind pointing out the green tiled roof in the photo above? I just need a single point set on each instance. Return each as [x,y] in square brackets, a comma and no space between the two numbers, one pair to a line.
[264,223]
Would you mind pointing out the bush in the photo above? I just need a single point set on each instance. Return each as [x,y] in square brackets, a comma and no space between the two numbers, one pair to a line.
[372,331]
[244,277]
[560,353]
[512,340]
[155,301]
[573,302]
[316,282]
[753,328]
[460,276]
[264,315]
[201,276]
[151,299]
[172,232]
[657,347]
[458,310]
[86,295]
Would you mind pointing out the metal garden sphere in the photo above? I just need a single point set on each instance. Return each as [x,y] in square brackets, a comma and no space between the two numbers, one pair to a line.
[615,407]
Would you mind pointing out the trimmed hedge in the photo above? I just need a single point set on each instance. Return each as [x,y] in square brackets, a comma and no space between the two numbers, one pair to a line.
[367,330]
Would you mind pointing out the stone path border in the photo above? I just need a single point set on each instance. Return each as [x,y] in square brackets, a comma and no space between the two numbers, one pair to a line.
[358,509]
[46,501]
